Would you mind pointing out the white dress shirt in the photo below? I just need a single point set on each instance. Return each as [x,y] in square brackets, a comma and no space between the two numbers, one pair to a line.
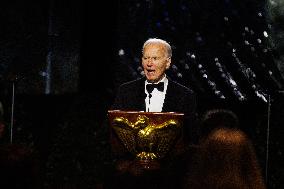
[155,103]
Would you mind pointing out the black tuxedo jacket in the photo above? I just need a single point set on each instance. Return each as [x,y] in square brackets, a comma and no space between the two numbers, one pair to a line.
[131,97]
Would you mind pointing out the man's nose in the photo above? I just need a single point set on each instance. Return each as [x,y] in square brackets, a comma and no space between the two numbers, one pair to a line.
[150,62]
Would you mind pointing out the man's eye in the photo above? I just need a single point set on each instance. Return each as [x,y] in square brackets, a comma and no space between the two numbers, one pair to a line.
[152,58]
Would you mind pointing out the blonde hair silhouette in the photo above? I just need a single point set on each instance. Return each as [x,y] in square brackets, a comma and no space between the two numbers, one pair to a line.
[226,160]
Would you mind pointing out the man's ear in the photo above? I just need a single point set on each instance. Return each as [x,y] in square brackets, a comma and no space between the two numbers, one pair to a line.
[169,61]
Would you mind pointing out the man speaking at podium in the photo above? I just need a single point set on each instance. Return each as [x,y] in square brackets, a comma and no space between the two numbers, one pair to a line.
[156,92]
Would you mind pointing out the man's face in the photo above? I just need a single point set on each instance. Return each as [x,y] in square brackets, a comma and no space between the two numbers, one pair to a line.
[155,62]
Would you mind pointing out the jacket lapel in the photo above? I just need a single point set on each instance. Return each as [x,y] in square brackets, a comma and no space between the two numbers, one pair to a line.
[140,95]
[169,103]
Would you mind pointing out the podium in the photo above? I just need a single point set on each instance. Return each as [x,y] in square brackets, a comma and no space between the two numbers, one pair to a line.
[148,136]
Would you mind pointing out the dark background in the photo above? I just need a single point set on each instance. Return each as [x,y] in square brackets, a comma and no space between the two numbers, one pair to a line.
[59,110]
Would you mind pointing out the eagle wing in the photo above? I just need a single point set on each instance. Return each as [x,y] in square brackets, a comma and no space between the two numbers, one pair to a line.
[166,135]
[126,133]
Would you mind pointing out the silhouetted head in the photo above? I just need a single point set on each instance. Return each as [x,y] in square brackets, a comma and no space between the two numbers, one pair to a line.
[226,160]
[217,118]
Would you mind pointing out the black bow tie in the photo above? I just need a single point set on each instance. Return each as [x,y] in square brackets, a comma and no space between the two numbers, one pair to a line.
[159,86]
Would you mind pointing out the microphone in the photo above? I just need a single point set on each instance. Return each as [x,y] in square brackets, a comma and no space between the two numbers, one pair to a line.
[150,95]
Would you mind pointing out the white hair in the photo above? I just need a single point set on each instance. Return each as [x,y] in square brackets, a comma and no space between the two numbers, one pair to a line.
[160,41]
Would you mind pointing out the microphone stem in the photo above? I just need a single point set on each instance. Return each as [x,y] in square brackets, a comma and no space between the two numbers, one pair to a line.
[150,95]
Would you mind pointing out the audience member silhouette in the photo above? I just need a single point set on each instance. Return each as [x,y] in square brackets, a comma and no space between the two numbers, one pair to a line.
[18,167]
[226,160]
[216,118]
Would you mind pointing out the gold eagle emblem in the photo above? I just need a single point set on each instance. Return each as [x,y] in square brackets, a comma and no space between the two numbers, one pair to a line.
[146,140]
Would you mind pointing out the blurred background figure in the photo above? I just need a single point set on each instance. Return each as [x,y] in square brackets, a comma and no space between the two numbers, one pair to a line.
[18,167]
[217,118]
[226,160]
[18,163]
